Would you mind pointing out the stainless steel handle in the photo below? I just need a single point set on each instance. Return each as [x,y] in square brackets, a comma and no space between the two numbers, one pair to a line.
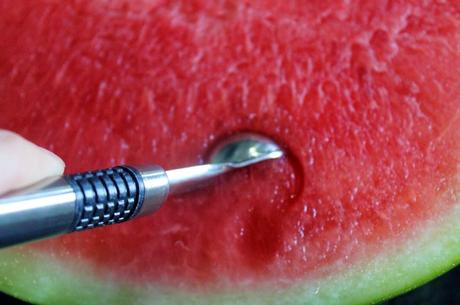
[83,201]
[41,210]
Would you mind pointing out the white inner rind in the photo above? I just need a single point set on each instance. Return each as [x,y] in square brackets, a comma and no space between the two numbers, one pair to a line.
[42,279]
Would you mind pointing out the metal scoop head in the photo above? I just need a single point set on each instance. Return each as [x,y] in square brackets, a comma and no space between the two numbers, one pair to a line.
[245,149]
[237,151]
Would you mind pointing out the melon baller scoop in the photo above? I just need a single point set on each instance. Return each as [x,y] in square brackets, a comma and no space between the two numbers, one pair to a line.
[65,204]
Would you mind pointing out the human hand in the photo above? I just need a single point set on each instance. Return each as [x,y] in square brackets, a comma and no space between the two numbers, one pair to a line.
[23,163]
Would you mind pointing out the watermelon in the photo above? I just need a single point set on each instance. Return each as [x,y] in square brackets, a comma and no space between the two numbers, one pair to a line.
[363,96]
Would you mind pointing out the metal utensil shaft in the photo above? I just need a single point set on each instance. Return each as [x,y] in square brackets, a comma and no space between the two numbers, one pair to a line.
[92,199]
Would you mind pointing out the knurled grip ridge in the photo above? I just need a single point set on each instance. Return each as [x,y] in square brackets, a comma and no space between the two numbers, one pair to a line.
[106,196]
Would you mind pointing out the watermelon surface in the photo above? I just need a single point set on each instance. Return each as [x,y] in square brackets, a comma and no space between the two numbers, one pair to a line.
[363,96]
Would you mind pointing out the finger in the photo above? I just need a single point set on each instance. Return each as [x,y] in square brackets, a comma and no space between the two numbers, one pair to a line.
[23,163]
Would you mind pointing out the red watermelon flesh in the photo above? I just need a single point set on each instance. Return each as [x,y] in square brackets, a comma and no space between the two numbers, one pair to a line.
[363,96]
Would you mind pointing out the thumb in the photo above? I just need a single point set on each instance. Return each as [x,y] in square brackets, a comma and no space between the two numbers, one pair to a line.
[23,163]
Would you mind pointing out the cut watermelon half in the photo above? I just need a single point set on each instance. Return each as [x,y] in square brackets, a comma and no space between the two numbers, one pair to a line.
[363,96]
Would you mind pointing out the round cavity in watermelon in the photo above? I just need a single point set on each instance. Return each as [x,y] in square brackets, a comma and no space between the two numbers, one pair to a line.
[363,96]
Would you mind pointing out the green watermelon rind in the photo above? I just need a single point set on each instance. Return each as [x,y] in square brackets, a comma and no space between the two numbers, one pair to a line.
[40,279]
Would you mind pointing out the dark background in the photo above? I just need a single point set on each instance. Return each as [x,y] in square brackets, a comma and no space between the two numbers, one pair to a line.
[442,291]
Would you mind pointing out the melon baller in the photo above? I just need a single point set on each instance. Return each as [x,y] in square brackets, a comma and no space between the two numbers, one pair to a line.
[65,204]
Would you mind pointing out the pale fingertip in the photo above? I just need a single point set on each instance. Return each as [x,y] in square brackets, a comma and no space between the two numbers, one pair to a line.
[23,163]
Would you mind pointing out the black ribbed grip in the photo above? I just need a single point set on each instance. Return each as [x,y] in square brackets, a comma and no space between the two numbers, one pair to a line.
[106,196]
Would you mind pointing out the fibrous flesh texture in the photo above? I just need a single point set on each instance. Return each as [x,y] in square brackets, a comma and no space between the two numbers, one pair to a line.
[363,96]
